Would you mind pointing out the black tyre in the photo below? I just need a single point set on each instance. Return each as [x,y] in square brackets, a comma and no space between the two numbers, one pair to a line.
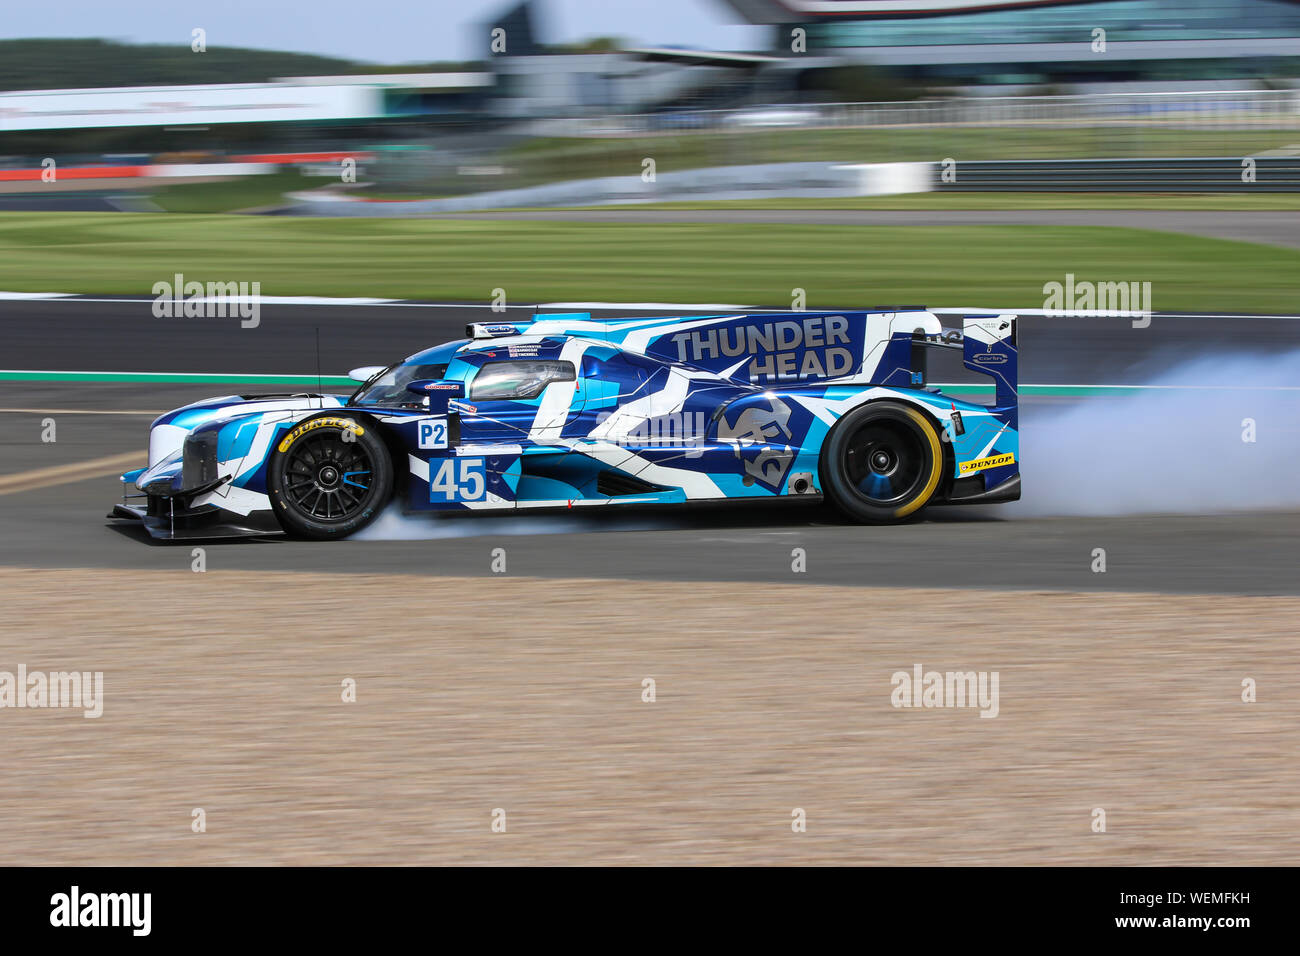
[882,463]
[329,477]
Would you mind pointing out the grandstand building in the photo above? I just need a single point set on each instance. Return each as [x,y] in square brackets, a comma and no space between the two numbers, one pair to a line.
[1066,42]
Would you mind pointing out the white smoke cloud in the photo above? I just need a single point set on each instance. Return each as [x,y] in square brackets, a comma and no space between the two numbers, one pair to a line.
[1175,449]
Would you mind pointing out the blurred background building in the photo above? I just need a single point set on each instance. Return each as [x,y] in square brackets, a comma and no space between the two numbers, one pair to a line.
[1026,42]
[839,82]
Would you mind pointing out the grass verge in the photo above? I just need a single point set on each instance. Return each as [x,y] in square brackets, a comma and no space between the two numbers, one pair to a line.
[838,266]
[232,195]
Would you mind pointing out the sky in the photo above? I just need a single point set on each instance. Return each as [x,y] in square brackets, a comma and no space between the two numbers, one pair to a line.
[386,31]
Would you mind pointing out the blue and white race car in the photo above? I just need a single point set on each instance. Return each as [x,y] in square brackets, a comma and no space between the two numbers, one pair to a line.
[568,411]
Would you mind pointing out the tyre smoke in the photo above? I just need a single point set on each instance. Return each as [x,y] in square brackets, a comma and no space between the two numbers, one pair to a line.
[1215,434]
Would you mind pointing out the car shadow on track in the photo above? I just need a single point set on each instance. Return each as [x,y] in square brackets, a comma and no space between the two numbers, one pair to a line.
[135,531]
[393,525]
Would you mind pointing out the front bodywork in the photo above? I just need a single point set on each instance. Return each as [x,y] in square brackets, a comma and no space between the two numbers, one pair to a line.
[207,466]
[651,411]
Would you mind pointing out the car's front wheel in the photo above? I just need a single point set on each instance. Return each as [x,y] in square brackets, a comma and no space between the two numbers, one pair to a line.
[329,477]
[882,463]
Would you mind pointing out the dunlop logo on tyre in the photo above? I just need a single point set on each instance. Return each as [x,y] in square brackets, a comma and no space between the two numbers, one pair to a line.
[305,427]
[993,461]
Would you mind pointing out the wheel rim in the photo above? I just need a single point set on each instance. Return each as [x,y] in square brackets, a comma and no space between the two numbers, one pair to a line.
[327,478]
[885,462]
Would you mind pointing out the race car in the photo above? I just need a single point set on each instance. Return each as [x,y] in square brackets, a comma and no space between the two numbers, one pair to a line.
[567,411]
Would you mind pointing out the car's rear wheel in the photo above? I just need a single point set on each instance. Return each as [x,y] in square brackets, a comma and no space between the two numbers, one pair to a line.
[882,463]
[329,477]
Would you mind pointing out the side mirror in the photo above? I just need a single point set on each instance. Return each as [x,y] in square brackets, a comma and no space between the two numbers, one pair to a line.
[438,391]
[365,373]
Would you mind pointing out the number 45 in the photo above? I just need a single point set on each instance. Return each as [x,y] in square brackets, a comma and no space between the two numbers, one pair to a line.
[459,479]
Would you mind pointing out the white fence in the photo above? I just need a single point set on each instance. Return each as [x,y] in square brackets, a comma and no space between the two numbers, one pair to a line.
[1224,110]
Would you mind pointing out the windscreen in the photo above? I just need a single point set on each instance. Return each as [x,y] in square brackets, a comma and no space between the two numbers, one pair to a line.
[388,388]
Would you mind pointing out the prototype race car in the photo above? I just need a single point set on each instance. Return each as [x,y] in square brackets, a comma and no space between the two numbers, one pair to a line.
[564,411]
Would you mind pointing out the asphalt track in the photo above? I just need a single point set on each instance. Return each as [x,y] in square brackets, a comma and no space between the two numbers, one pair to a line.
[61,524]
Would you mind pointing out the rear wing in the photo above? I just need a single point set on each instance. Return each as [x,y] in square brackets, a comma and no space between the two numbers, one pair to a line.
[988,345]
